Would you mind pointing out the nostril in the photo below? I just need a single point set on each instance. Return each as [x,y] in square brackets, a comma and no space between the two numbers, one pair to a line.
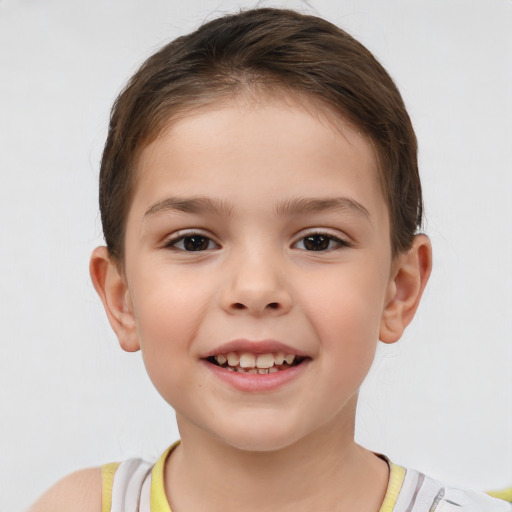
[257,308]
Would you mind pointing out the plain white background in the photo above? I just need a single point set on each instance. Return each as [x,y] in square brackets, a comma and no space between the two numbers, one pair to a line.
[439,401]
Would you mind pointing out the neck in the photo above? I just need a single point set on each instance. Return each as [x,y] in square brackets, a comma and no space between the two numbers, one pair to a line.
[325,471]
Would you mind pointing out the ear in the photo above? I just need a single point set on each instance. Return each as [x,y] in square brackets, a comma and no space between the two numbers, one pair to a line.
[110,284]
[411,271]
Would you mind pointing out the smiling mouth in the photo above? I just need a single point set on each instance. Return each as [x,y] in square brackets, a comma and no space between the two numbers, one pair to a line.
[247,362]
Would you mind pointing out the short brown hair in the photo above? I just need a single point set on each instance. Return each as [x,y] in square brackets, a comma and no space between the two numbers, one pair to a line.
[268,49]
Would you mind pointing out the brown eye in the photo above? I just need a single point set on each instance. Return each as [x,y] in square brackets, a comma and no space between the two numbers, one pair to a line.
[316,242]
[195,243]
[320,242]
[192,243]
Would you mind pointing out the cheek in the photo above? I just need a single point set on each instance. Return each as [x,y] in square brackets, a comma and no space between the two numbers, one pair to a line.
[347,300]
[349,337]
[346,313]
[168,315]
[168,307]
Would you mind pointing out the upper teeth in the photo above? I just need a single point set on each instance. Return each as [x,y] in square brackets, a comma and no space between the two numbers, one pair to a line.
[250,360]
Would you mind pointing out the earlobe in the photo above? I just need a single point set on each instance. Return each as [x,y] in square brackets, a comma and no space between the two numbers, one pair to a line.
[110,284]
[410,275]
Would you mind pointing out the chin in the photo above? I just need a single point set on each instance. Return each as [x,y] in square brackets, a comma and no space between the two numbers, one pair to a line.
[261,438]
[259,445]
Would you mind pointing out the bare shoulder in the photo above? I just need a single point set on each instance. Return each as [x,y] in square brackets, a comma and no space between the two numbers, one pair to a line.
[77,492]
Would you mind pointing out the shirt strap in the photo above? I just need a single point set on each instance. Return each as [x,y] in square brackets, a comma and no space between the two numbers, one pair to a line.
[159,501]
[396,480]
[107,481]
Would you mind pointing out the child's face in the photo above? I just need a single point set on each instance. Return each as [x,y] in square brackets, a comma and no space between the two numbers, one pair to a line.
[255,189]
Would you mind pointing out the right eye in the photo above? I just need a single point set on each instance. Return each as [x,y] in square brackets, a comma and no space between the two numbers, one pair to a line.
[192,242]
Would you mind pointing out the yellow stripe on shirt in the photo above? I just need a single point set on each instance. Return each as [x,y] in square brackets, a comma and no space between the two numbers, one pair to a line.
[396,480]
[107,480]
[159,501]
[503,494]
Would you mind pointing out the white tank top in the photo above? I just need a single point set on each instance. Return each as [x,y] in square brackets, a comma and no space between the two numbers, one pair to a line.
[138,486]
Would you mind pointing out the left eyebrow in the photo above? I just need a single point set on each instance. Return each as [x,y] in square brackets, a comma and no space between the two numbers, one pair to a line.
[190,205]
[314,205]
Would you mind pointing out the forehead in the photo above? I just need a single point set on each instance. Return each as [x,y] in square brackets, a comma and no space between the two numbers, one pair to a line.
[257,147]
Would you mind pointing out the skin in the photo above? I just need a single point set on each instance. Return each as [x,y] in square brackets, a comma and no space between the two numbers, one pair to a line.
[255,278]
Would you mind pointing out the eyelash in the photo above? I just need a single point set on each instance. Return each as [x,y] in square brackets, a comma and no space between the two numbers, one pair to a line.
[333,242]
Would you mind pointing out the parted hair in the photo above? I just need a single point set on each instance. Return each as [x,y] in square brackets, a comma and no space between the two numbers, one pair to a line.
[264,50]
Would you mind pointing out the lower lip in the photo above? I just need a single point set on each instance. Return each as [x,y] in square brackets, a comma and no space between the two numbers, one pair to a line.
[255,382]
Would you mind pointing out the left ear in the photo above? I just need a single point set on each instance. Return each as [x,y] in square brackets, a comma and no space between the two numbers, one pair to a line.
[411,271]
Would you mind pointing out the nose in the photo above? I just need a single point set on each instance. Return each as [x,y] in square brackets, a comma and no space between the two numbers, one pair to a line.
[256,285]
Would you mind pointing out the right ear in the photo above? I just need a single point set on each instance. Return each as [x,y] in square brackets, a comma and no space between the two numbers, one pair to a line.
[110,284]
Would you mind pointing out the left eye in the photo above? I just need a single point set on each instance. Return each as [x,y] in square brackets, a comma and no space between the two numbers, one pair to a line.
[192,243]
[319,242]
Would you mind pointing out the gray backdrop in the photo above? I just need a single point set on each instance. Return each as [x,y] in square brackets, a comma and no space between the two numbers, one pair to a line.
[439,401]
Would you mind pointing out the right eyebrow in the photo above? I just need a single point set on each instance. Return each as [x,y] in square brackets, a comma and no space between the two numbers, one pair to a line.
[190,205]
[312,205]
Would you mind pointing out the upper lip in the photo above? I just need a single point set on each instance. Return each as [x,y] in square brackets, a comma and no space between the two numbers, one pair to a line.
[254,347]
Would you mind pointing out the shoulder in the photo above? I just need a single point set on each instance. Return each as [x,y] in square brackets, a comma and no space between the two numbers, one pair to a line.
[452,499]
[471,501]
[412,491]
[77,492]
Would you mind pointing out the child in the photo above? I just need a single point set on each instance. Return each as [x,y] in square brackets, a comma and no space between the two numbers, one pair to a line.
[261,203]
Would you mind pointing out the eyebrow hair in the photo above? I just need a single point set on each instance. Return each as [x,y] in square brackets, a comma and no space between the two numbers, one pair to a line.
[190,205]
[294,206]
[312,205]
